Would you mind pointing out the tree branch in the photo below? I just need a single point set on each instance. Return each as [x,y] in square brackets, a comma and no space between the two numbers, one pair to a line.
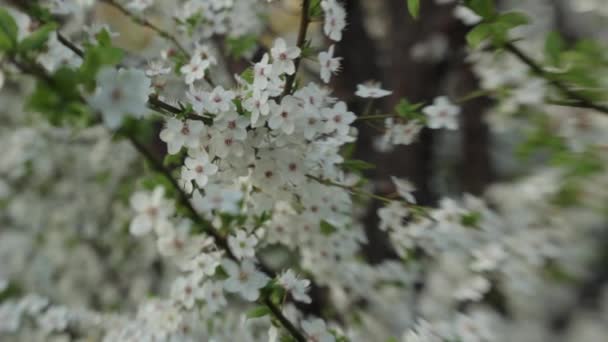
[304,21]
[39,73]
[578,99]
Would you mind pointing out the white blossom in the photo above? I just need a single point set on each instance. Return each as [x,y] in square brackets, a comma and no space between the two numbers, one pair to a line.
[244,279]
[442,114]
[120,93]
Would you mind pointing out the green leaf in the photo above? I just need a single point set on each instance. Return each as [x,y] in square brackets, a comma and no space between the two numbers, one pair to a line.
[568,195]
[8,31]
[38,38]
[408,110]
[357,165]
[307,49]
[94,59]
[174,160]
[483,8]
[327,228]
[248,75]
[478,34]
[554,45]
[315,11]
[104,38]
[60,103]
[239,46]
[470,219]
[414,7]
[348,150]
[513,19]
[257,312]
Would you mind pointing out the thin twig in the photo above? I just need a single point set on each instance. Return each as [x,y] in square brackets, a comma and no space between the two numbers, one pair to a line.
[164,34]
[356,191]
[578,99]
[146,23]
[304,21]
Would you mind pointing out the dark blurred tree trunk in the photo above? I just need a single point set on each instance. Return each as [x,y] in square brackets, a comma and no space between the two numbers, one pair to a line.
[389,62]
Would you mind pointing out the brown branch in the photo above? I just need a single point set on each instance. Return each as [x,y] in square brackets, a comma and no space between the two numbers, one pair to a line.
[164,34]
[304,21]
[146,23]
[578,99]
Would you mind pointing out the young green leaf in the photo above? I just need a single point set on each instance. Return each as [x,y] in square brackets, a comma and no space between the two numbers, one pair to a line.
[239,46]
[257,312]
[8,31]
[315,11]
[327,228]
[513,19]
[37,39]
[478,34]
[554,46]
[357,165]
[483,8]
[414,7]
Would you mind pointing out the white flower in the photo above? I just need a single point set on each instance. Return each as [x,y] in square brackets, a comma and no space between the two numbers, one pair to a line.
[283,56]
[404,189]
[197,168]
[120,93]
[423,332]
[217,197]
[335,19]
[33,304]
[244,279]
[472,289]
[213,295]
[219,100]
[151,209]
[312,122]
[56,55]
[186,290]
[475,327]
[466,15]
[531,93]
[392,215]
[338,119]
[442,114]
[400,134]
[173,241]
[284,115]
[233,124]
[371,91]
[257,104]
[225,143]
[316,330]
[157,68]
[262,71]
[139,5]
[488,258]
[329,64]
[195,69]
[54,319]
[179,133]
[10,316]
[242,245]
[297,287]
